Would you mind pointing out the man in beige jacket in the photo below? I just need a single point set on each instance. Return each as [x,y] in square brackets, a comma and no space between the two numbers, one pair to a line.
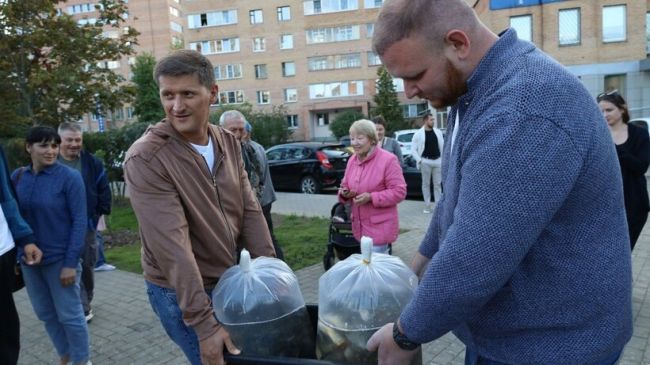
[194,205]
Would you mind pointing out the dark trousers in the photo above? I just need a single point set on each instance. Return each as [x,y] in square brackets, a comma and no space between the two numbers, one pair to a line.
[635,225]
[88,261]
[266,210]
[10,333]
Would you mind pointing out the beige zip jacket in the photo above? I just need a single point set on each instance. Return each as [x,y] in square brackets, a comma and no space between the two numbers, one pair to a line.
[192,221]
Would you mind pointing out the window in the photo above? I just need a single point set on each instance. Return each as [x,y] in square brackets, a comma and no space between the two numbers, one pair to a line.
[227,71]
[231,97]
[292,121]
[256,16]
[368,4]
[319,63]
[176,27]
[615,82]
[130,112]
[226,45]
[414,110]
[291,95]
[259,44]
[111,65]
[373,59]
[216,18]
[335,34]
[284,13]
[112,34]
[329,6]
[263,97]
[524,26]
[370,30]
[286,41]
[260,72]
[647,32]
[85,21]
[335,89]
[288,69]
[81,8]
[614,23]
[322,119]
[398,84]
[118,114]
[569,27]
[173,11]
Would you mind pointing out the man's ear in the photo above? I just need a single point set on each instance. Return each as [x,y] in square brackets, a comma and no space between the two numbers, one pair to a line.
[459,43]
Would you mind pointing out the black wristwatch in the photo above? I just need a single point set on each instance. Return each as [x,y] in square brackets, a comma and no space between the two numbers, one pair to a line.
[402,341]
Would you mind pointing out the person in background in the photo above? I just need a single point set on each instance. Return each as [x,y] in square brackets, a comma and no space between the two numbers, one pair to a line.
[194,205]
[633,150]
[387,143]
[426,149]
[268,191]
[101,264]
[98,202]
[374,184]
[527,257]
[14,232]
[52,200]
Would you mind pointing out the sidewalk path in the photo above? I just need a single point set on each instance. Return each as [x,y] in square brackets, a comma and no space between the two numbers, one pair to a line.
[126,331]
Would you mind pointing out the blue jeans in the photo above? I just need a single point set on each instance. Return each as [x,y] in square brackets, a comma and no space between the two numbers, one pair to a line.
[472,358]
[164,304]
[101,259]
[60,308]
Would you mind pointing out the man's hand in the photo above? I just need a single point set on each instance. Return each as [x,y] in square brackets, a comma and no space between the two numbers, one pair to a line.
[68,275]
[33,254]
[419,264]
[212,347]
[362,199]
[387,350]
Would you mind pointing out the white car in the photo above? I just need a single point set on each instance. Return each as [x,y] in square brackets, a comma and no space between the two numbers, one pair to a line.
[404,138]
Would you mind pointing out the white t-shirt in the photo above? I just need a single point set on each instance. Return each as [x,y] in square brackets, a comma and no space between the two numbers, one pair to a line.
[453,135]
[6,239]
[207,152]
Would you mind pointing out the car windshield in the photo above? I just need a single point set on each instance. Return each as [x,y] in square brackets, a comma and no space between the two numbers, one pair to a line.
[407,137]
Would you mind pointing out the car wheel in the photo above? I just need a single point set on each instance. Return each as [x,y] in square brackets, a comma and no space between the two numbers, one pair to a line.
[309,185]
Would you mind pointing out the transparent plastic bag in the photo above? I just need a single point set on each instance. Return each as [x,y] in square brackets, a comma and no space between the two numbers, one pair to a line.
[356,297]
[260,304]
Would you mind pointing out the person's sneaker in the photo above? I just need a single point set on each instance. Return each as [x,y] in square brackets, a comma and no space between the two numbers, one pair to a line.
[426,211]
[89,316]
[105,267]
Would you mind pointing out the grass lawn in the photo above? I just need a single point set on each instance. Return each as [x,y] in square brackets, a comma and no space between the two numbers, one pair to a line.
[303,239]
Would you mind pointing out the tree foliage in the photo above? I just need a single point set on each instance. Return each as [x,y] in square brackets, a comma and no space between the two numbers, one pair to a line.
[147,104]
[269,128]
[340,126]
[53,70]
[387,103]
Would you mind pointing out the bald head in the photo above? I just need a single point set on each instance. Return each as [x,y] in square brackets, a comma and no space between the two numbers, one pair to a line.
[428,19]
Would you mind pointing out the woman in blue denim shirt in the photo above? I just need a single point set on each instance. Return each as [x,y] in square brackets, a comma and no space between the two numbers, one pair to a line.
[52,201]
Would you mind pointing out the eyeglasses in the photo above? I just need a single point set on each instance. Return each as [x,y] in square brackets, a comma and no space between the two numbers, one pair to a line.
[614,93]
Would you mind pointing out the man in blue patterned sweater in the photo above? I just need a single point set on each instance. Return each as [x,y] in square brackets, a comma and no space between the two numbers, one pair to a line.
[526,258]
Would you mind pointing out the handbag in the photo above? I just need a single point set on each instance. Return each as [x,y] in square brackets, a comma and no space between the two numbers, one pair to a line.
[19,282]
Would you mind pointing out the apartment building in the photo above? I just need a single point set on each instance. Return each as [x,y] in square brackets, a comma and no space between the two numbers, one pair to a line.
[161,25]
[602,42]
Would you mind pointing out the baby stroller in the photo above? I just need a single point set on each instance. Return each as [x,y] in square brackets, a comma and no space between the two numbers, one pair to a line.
[341,241]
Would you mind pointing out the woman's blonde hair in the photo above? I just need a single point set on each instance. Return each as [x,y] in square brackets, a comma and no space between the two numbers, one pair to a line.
[365,127]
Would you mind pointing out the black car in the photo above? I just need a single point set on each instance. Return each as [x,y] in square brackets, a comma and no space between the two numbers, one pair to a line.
[412,176]
[307,166]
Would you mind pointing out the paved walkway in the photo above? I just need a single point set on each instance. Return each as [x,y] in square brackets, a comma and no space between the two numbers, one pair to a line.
[125,330]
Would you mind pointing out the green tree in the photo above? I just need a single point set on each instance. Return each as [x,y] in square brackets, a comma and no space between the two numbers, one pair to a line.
[387,104]
[53,70]
[340,126]
[147,99]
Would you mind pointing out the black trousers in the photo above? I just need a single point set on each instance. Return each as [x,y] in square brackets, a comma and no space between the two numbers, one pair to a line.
[266,210]
[10,333]
[635,225]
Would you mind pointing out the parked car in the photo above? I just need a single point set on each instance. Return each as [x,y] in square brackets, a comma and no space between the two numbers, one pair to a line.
[307,166]
[412,176]
[404,138]
[641,122]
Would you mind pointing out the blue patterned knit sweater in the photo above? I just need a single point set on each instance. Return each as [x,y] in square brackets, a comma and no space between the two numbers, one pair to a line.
[529,245]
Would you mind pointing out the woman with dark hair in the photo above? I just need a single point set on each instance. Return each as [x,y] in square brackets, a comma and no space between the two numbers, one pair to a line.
[633,149]
[52,200]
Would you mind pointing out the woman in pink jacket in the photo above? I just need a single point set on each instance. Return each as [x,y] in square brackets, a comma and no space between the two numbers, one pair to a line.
[374,185]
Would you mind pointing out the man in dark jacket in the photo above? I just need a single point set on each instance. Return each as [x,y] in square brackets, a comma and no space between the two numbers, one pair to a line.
[98,200]
[14,231]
